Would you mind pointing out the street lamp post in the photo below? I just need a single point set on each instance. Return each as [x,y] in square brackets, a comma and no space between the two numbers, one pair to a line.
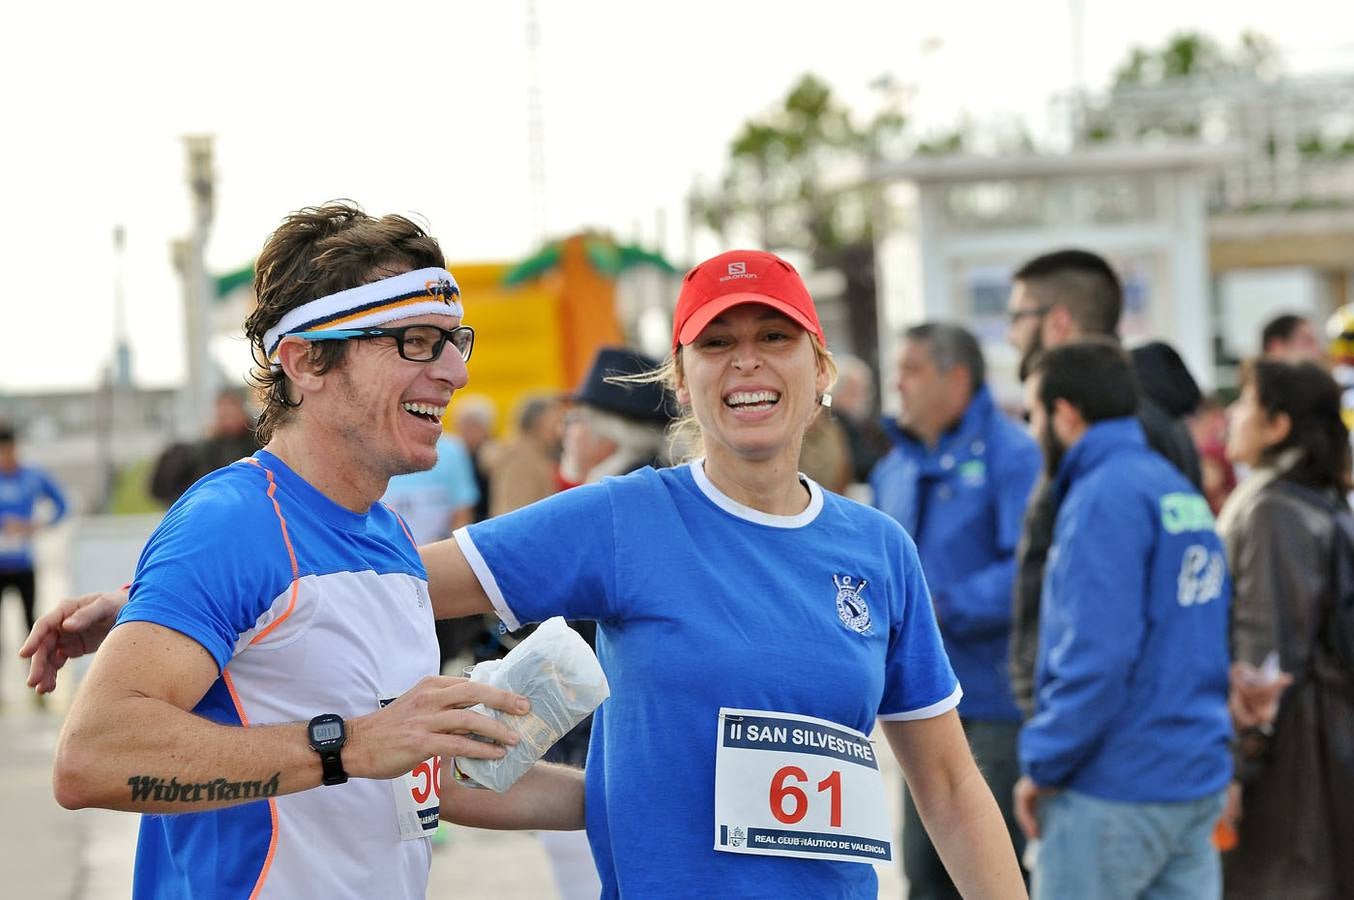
[190,257]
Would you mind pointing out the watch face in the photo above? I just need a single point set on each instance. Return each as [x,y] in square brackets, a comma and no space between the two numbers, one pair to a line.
[326,731]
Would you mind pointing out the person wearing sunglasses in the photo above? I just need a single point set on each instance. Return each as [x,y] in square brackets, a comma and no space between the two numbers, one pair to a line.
[268,695]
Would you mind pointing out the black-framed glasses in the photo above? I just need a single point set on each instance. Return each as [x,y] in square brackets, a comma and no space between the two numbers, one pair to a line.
[416,343]
[1016,315]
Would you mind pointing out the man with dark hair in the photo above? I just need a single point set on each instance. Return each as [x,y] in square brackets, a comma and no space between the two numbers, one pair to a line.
[1072,294]
[273,673]
[1063,294]
[958,478]
[1125,760]
[1056,298]
[1291,338]
[22,489]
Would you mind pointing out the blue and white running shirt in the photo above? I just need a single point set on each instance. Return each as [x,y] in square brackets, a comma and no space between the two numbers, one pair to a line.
[308,608]
[702,602]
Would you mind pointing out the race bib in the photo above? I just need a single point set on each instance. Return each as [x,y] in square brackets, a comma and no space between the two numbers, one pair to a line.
[791,785]
[418,797]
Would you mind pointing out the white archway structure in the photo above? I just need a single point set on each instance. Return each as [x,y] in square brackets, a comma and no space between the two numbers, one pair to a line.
[952,229]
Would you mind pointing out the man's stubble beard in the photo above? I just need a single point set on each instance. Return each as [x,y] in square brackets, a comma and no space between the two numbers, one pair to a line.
[381,460]
[1027,355]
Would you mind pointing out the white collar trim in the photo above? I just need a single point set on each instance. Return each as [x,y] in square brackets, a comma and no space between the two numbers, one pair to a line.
[747,513]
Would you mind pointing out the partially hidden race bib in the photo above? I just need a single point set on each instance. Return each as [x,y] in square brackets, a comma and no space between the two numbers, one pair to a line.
[418,797]
[792,785]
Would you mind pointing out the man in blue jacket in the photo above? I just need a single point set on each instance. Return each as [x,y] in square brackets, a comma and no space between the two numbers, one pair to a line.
[1125,759]
[958,478]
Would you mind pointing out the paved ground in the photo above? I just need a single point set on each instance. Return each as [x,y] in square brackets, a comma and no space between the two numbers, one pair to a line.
[48,853]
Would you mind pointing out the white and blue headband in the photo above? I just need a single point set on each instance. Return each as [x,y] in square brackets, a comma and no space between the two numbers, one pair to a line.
[423,292]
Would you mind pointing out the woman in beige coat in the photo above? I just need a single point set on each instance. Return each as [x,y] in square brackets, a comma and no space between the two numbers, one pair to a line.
[1295,780]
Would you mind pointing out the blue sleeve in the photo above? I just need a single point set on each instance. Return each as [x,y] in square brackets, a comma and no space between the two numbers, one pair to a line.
[1092,624]
[54,494]
[918,680]
[979,605]
[554,557]
[213,566]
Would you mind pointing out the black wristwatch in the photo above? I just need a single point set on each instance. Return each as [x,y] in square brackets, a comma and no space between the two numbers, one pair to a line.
[327,735]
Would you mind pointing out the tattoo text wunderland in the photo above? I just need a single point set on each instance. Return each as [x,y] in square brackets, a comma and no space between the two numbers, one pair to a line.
[146,788]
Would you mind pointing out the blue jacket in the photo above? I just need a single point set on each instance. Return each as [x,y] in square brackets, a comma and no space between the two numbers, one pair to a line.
[20,492]
[1131,679]
[962,503]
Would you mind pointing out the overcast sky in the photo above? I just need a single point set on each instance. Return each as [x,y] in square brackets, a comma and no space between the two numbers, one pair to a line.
[422,107]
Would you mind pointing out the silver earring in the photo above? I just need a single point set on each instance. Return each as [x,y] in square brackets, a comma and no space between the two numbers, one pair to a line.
[825,401]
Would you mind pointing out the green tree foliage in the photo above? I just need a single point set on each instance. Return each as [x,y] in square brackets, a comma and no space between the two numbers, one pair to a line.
[1191,54]
[1186,56]
[777,186]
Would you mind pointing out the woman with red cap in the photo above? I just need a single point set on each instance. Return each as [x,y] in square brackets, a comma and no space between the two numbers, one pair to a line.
[753,628]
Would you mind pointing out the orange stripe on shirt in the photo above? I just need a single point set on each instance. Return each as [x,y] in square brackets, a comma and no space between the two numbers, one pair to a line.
[272,804]
[403,527]
[291,554]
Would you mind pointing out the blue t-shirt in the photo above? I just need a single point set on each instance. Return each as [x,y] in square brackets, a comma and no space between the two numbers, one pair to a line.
[20,492]
[307,608]
[427,500]
[702,602]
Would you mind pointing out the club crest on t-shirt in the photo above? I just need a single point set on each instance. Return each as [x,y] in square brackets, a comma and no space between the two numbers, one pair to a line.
[851,607]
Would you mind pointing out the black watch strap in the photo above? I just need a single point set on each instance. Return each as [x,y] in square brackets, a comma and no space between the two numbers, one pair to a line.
[327,734]
[333,768]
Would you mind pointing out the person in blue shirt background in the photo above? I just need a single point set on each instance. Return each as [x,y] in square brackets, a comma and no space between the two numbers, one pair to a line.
[1126,758]
[958,478]
[436,502]
[21,489]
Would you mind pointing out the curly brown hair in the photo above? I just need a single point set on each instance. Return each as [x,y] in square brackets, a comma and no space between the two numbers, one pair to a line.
[317,251]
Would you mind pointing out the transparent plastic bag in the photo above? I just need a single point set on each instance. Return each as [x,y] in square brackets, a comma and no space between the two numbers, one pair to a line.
[558,672]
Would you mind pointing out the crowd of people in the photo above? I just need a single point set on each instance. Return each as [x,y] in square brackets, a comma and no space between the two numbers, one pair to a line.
[1074,663]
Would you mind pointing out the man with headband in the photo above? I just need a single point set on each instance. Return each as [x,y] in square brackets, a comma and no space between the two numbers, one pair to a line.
[268,697]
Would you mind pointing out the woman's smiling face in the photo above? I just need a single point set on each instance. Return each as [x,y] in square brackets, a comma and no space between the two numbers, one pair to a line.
[752,380]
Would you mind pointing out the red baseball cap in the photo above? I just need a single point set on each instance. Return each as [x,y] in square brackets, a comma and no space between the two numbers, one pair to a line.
[736,277]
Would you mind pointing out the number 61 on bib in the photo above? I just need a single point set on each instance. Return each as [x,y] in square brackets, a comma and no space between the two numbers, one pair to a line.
[792,785]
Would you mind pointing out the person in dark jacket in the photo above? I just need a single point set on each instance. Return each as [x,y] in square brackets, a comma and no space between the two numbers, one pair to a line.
[958,478]
[180,465]
[1292,804]
[1057,298]
[1125,761]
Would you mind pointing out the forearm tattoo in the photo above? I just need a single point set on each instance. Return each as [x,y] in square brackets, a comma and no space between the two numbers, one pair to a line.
[147,788]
